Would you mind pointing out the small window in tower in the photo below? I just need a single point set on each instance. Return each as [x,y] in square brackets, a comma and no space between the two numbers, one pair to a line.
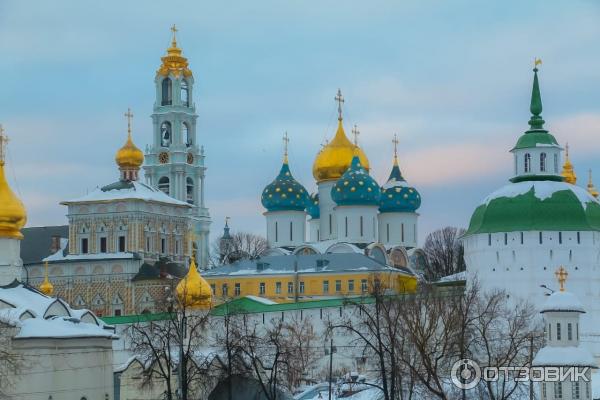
[167,95]
[148,243]
[527,162]
[163,245]
[102,245]
[543,162]
[185,94]
[185,133]
[163,185]
[165,134]
[84,246]
[189,190]
[122,244]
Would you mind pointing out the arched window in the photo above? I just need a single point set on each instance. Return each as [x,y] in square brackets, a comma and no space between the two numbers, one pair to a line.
[167,94]
[527,162]
[163,184]
[543,162]
[190,190]
[555,162]
[185,93]
[185,134]
[165,134]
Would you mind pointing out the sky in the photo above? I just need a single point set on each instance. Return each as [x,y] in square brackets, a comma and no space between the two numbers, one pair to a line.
[451,78]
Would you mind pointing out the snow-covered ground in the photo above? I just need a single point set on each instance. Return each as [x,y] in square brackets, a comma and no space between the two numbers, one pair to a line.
[313,394]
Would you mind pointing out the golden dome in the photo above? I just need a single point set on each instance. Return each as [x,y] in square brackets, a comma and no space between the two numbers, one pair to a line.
[12,211]
[46,287]
[335,158]
[193,291]
[591,188]
[174,62]
[567,172]
[129,156]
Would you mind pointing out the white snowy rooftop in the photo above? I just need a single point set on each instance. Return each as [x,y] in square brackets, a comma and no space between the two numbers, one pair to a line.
[39,316]
[567,356]
[562,301]
[127,191]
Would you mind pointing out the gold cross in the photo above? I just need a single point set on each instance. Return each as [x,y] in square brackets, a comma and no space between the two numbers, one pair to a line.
[3,142]
[174,30]
[395,141]
[561,276]
[129,116]
[355,132]
[227,221]
[340,99]
[286,140]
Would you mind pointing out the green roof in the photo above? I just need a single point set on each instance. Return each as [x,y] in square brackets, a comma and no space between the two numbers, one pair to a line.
[248,305]
[535,139]
[558,207]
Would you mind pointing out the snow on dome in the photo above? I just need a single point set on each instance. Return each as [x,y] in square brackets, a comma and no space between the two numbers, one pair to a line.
[564,356]
[39,316]
[562,301]
[130,190]
[542,190]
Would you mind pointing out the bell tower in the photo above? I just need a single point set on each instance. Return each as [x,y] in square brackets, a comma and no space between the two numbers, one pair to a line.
[175,160]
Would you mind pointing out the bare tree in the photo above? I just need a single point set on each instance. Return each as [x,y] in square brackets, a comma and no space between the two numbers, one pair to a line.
[239,246]
[11,363]
[445,253]
[300,341]
[171,348]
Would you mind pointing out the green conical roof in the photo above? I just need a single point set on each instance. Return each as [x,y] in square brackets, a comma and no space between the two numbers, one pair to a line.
[536,121]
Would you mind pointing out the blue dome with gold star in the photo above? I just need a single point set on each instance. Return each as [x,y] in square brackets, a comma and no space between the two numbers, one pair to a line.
[356,187]
[284,193]
[312,206]
[396,195]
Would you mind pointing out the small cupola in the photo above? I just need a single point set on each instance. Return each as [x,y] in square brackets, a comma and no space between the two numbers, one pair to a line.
[396,194]
[129,158]
[356,187]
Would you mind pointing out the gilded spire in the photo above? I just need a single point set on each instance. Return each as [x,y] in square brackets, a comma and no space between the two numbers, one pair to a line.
[536,121]
[590,186]
[46,287]
[561,276]
[12,212]
[174,62]
[567,172]
[395,142]
[286,141]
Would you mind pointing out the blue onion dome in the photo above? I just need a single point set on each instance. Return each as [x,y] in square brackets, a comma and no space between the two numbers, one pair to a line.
[356,187]
[396,195]
[312,206]
[284,193]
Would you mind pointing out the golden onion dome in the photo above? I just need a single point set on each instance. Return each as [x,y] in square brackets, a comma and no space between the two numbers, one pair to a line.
[590,186]
[194,291]
[174,62]
[567,172]
[335,158]
[46,287]
[12,211]
[129,156]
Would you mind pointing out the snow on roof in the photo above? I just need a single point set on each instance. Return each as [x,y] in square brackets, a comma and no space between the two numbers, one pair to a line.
[58,256]
[40,316]
[567,356]
[261,300]
[542,190]
[131,191]
[459,276]
[562,301]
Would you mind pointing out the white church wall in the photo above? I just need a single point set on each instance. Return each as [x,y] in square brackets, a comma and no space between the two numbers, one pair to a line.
[286,228]
[398,229]
[314,230]
[328,229]
[356,224]
[10,260]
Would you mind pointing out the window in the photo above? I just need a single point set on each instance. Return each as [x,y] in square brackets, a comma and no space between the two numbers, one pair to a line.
[544,395]
[363,285]
[330,224]
[558,390]
[541,238]
[489,239]
[290,287]
[587,390]
[301,289]
[237,290]
[224,290]
[338,286]
[556,163]
[163,185]
[578,238]
[277,287]
[117,312]
[543,162]
[84,246]
[559,237]
[346,226]
[261,288]
[148,243]
[213,288]
[165,135]
[163,245]
[185,93]
[361,226]
[166,92]
[558,331]
[276,232]
[122,244]
[387,230]
[291,231]
[549,331]
[189,188]
[176,246]
[185,134]
[325,287]
[527,162]
[521,237]
[505,239]
[569,331]
[575,390]
[102,245]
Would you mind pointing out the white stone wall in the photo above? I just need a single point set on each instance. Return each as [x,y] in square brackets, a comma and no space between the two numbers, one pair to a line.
[314,230]
[398,229]
[327,219]
[286,228]
[10,260]
[357,224]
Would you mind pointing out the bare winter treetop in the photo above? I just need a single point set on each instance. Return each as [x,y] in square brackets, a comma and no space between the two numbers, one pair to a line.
[445,252]
[239,246]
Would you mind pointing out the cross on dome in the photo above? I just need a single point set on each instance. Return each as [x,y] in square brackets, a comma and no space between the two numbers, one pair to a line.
[129,116]
[3,142]
[395,142]
[174,30]
[355,132]
[561,276]
[340,99]
[286,141]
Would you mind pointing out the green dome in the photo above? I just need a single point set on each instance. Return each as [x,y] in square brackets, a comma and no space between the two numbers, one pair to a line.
[536,206]
[356,187]
[538,138]
[284,193]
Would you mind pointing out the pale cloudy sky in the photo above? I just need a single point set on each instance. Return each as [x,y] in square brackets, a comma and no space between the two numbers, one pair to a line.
[451,78]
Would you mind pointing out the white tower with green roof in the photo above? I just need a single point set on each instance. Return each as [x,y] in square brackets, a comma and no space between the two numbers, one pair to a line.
[528,227]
